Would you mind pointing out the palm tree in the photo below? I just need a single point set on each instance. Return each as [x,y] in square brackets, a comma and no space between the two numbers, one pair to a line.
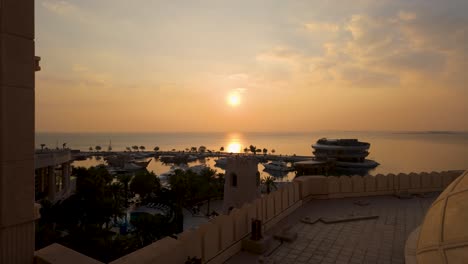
[98,148]
[221,149]
[144,183]
[135,148]
[42,146]
[193,149]
[269,183]
[202,149]
[246,150]
[90,148]
[125,180]
[265,151]
[273,151]
[156,149]
[128,149]
[253,149]
[142,148]
[64,145]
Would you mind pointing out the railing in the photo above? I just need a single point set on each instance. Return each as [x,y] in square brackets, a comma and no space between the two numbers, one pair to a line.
[51,158]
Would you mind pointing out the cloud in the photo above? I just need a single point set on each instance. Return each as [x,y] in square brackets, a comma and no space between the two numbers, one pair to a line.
[59,7]
[322,27]
[375,50]
[278,53]
[406,16]
[238,77]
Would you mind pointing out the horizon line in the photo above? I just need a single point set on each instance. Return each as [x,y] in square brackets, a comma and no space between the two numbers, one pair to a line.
[212,132]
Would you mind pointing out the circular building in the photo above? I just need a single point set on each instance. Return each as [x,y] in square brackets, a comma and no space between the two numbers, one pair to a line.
[443,235]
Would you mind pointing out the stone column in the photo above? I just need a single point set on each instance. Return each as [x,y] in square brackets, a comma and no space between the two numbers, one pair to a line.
[51,181]
[16,131]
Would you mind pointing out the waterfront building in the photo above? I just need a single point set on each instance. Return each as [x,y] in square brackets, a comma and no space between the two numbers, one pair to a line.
[52,175]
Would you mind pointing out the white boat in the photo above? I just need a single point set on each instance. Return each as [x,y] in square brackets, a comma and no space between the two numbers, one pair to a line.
[277,166]
[221,162]
[198,168]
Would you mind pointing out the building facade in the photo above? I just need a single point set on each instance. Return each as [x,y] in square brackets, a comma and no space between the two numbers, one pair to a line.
[53,175]
[17,66]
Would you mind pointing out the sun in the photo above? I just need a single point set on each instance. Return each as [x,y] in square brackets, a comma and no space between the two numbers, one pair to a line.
[233,99]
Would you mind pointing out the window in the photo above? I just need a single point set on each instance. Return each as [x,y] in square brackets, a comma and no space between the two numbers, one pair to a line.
[233,180]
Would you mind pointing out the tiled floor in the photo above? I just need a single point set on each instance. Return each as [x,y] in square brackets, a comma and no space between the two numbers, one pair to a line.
[380,240]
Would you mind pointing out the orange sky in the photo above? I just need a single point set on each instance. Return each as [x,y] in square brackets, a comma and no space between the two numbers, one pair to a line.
[143,66]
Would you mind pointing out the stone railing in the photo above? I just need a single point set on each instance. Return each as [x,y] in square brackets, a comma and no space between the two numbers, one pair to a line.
[220,239]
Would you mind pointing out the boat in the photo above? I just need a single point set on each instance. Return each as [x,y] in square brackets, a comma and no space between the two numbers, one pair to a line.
[198,168]
[130,166]
[142,163]
[344,153]
[277,166]
[221,162]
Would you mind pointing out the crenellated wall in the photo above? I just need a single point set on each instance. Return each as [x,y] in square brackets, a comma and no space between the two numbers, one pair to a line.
[218,240]
[322,187]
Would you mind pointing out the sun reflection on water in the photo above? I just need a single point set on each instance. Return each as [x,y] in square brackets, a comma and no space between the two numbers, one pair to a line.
[234,147]
[234,143]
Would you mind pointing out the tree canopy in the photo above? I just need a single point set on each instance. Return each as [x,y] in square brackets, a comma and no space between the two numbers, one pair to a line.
[144,183]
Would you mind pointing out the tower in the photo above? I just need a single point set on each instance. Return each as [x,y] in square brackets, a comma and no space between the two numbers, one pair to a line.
[242,182]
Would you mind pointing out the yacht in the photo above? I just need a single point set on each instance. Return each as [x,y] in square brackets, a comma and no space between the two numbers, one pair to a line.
[277,166]
[344,153]
[221,162]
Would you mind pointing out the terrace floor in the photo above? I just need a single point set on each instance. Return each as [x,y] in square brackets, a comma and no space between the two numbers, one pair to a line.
[380,240]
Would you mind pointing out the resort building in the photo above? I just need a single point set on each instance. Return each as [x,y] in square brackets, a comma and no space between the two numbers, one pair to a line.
[53,175]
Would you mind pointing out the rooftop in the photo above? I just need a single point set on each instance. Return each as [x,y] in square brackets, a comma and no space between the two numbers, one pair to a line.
[380,240]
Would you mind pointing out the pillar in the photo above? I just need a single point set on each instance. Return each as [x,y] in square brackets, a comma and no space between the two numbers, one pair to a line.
[16,131]
[51,180]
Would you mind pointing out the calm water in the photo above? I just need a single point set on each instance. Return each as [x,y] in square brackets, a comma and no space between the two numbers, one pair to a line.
[396,152]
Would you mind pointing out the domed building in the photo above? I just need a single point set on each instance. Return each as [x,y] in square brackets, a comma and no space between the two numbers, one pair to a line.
[442,238]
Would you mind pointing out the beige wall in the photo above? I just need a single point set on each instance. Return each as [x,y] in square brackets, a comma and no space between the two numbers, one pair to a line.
[218,240]
[356,186]
[17,131]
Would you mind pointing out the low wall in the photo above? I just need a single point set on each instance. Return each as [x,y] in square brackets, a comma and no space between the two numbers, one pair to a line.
[321,187]
[218,240]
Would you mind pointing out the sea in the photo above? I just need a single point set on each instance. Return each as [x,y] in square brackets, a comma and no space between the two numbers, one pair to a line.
[397,152]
